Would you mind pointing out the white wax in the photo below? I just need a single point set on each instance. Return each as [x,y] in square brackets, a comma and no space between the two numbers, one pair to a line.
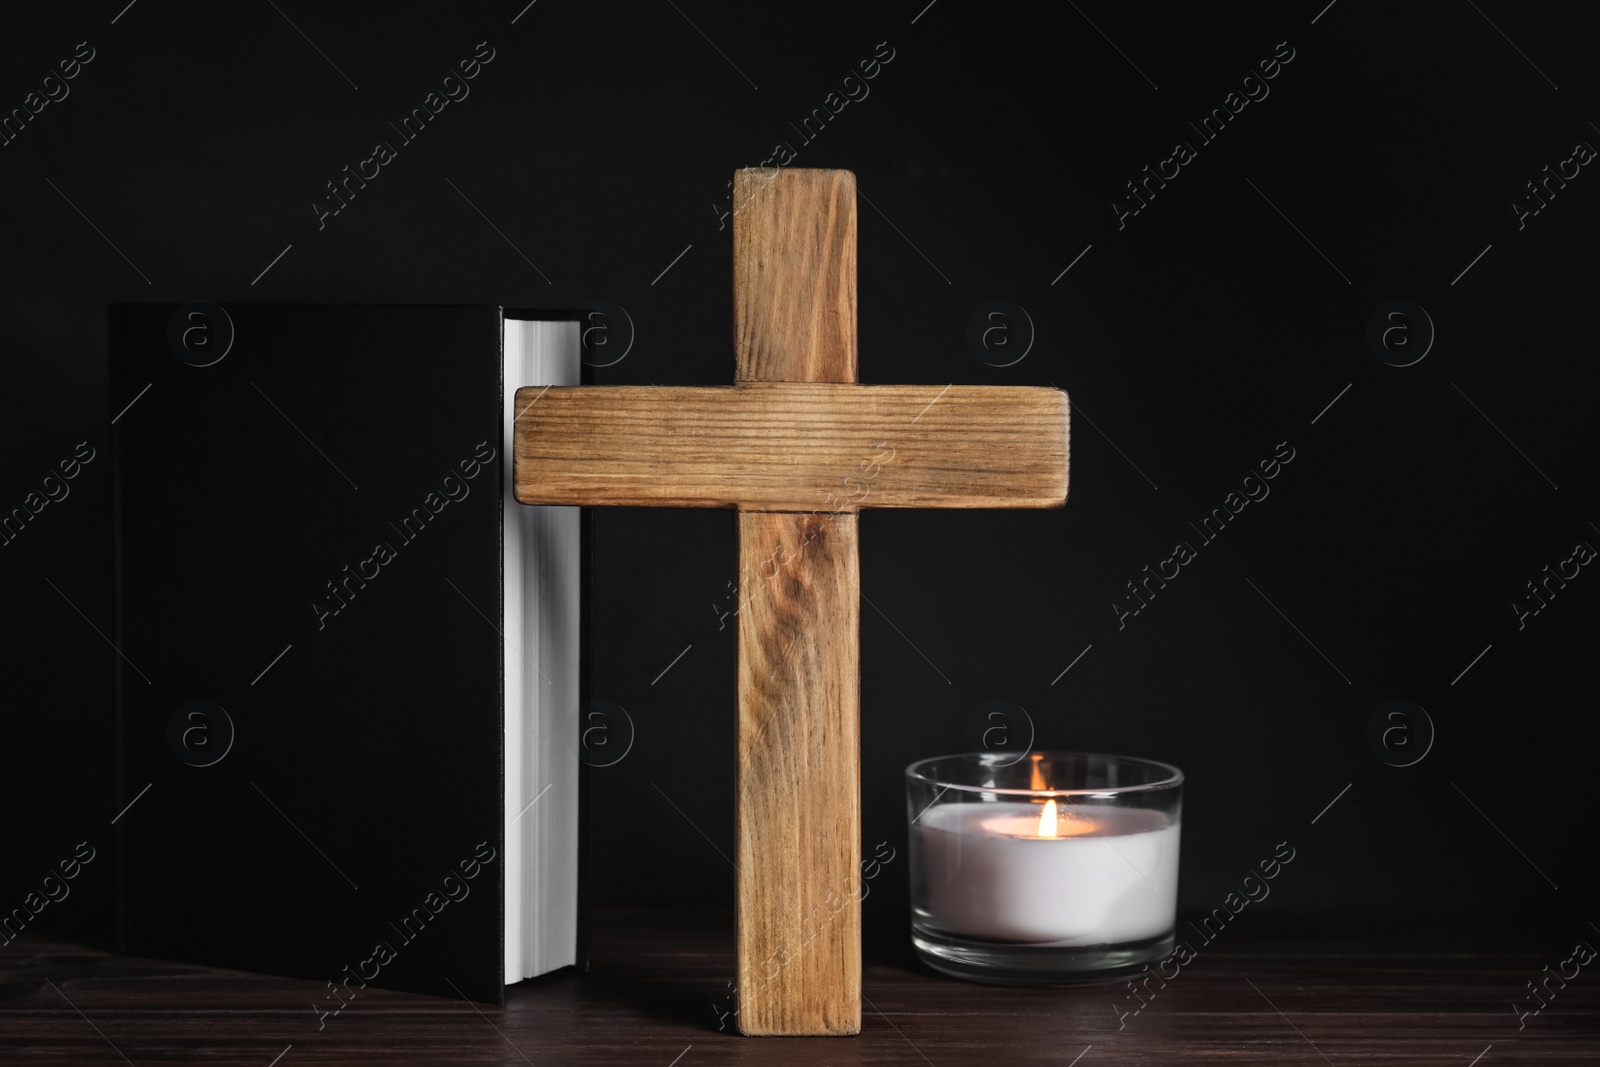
[1110,876]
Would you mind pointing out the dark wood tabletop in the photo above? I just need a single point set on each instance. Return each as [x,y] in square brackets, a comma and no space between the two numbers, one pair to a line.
[1279,992]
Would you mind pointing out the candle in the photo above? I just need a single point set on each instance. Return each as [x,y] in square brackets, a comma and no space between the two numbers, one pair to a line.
[1035,868]
[1065,874]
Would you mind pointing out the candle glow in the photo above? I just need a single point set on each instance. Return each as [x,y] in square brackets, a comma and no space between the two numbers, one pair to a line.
[1051,823]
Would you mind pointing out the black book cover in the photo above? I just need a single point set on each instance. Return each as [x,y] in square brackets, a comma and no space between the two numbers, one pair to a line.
[308,541]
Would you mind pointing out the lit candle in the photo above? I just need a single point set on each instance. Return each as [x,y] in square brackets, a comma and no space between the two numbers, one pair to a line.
[1063,874]
[1063,865]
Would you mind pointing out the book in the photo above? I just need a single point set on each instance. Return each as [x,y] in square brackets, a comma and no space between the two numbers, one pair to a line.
[542,603]
[348,662]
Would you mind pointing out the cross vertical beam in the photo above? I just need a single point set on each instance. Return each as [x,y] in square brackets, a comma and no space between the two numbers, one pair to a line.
[798,827]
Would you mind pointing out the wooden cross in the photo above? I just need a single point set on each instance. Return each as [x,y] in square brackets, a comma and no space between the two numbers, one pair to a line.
[796,446]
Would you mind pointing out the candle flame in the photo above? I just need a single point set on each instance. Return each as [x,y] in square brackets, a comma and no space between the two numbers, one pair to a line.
[1047,819]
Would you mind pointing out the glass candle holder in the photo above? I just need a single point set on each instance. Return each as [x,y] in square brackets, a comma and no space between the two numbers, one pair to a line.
[1045,868]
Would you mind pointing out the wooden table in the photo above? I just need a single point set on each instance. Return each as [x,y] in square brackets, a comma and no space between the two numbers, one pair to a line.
[1262,993]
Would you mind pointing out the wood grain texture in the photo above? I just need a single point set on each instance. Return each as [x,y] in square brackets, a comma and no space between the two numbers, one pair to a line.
[798,836]
[1357,991]
[793,446]
[798,822]
[794,275]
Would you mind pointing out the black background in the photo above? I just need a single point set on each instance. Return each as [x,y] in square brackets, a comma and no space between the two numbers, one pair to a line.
[599,141]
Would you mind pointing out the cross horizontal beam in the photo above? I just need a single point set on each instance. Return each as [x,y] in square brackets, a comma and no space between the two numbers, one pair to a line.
[793,446]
